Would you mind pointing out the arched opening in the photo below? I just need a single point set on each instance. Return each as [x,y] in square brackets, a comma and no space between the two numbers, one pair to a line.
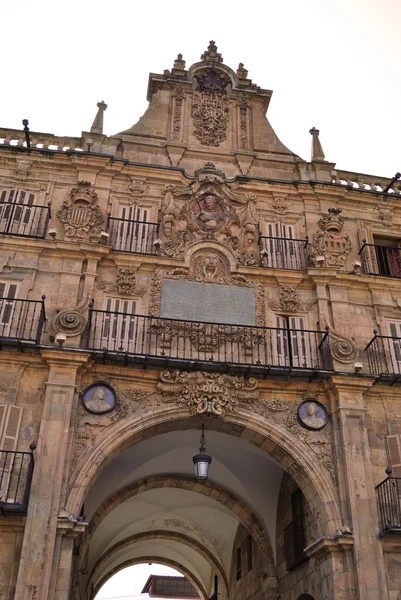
[132,579]
[142,500]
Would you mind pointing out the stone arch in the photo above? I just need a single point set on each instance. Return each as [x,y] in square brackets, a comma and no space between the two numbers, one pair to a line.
[305,597]
[293,456]
[245,515]
[167,535]
[155,559]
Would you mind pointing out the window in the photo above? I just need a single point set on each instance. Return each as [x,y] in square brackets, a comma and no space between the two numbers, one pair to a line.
[133,229]
[291,344]
[10,422]
[388,257]
[238,566]
[17,212]
[119,326]
[249,551]
[8,293]
[294,534]
[394,330]
[280,249]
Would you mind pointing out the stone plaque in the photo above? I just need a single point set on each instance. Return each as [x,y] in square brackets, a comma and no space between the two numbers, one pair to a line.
[99,398]
[312,415]
[208,302]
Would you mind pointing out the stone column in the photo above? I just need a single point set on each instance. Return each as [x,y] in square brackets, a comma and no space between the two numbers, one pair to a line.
[39,542]
[355,483]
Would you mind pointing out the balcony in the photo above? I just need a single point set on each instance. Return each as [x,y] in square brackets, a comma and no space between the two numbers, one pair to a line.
[380,260]
[24,220]
[16,470]
[126,235]
[138,339]
[21,321]
[388,494]
[283,253]
[384,355]
[294,543]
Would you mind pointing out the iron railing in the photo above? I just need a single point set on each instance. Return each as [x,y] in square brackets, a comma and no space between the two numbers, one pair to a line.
[16,470]
[384,355]
[283,253]
[195,341]
[294,542]
[380,260]
[126,235]
[25,220]
[388,494]
[21,320]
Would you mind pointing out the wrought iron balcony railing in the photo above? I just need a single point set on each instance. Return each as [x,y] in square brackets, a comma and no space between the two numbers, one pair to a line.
[25,220]
[380,260]
[294,542]
[126,235]
[16,470]
[160,341]
[388,494]
[384,355]
[21,320]
[283,253]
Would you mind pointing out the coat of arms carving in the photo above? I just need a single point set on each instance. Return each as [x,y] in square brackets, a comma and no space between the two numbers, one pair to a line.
[329,242]
[81,215]
[210,106]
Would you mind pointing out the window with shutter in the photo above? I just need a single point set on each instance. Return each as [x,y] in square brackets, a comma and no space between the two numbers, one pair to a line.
[394,330]
[17,213]
[291,344]
[133,230]
[10,420]
[394,454]
[8,293]
[119,326]
[281,251]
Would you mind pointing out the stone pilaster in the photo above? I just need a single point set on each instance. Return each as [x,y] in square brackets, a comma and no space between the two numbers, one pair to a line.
[356,488]
[37,557]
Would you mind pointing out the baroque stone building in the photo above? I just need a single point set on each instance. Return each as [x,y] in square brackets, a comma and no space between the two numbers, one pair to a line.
[192,271]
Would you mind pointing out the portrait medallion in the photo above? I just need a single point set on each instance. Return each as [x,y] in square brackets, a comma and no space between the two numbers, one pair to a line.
[99,398]
[312,415]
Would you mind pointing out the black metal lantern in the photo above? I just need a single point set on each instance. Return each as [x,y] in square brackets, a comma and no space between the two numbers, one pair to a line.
[202,460]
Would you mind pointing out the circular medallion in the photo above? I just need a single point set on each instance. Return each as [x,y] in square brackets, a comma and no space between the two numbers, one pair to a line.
[312,415]
[99,398]
[209,213]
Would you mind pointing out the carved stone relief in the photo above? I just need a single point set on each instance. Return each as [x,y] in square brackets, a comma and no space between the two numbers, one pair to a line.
[280,206]
[71,322]
[207,393]
[288,301]
[243,105]
[179,97]
[329,243]
[81,215]
[126,283]
[210,103]
[343,348]
[209,210]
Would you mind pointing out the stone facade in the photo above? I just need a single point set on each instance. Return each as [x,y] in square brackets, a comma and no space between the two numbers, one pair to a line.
[297,395]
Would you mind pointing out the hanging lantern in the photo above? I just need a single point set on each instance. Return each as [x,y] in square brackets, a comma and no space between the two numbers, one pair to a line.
[202,460]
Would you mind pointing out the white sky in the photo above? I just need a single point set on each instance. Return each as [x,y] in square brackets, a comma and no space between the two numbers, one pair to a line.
[333,65]
[131,580]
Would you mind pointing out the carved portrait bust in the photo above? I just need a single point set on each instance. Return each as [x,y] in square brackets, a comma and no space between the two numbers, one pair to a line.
[99,398]
[312,415]
[209,213]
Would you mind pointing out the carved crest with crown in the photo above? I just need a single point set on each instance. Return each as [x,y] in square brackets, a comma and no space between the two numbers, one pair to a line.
[208,209]
[81,215]
[329,246]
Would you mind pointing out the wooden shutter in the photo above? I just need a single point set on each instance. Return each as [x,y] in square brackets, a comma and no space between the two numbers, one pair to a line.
[394,454]
[10,419]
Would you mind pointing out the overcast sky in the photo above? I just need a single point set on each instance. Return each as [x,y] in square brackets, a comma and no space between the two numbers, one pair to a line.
[333,65]
[131,580]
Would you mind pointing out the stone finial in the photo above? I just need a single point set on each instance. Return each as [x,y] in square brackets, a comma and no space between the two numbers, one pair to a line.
[211,53]
[97,125]
[242,73]
[317,150]
[179,63]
